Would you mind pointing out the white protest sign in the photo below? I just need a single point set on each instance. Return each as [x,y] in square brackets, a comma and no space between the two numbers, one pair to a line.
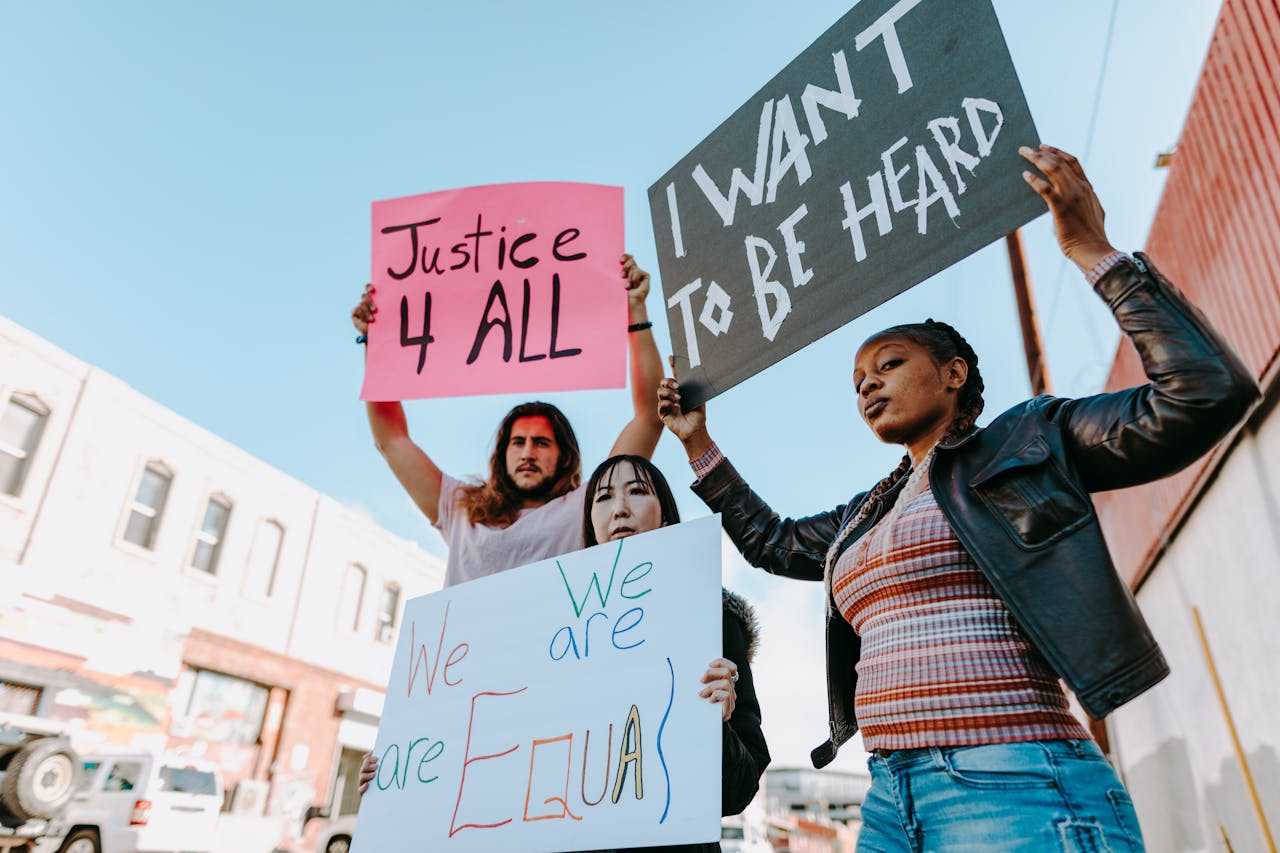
[555,707]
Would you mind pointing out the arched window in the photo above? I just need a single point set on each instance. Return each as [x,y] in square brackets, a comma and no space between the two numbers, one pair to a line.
[21,424]
[264,558]
[213,530]
[388,613]
[147,508]
[352,601]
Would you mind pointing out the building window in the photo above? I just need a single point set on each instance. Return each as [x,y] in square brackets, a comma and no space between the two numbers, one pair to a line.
[18,698]
[221,708]
[148,506]
[264,559]
[352,601]
[21,424]
[388,608]
[209,538]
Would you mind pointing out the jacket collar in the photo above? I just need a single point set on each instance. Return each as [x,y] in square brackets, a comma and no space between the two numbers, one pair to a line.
[962,440]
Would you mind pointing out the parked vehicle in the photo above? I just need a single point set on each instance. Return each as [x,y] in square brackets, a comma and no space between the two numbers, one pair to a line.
[38,776]
[335,835]
[140,801]
[739,835]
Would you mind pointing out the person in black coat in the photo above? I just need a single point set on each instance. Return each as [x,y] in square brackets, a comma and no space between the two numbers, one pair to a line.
[628,495]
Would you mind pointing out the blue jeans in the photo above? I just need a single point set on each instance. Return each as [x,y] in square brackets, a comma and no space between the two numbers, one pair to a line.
[1037,796]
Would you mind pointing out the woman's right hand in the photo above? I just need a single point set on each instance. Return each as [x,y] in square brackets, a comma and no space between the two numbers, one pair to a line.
[691,426]
[1078,217]
[362,314]
[368,772]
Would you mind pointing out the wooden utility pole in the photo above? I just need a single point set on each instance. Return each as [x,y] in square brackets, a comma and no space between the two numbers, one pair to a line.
[1038,374]
[1037,370]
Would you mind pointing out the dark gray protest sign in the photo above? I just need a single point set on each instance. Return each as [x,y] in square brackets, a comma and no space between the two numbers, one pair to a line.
[884,153]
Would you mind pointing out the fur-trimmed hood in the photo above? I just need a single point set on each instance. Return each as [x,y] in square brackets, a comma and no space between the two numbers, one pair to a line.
[737,606]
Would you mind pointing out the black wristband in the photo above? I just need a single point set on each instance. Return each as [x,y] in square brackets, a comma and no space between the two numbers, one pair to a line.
[362,339]
[640,327]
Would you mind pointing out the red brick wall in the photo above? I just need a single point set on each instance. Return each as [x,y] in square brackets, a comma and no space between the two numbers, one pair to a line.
[1216,235]
[306,697]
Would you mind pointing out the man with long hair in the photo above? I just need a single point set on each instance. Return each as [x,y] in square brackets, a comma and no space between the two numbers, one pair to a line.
[530,506]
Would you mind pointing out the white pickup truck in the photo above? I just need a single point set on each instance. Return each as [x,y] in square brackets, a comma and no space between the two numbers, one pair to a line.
[132,800]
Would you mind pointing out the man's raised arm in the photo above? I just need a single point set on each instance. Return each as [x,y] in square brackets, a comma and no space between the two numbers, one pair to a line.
[411,465]
[640,436]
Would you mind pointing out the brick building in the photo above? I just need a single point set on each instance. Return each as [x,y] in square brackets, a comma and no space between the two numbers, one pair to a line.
[1201,751]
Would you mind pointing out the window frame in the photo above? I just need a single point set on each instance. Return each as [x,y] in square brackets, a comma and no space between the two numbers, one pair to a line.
[353,626]
[188,690]
[33,403]
[198,536]
[159,466]
[250,588]
[384,631]
[138,767]
[12,688]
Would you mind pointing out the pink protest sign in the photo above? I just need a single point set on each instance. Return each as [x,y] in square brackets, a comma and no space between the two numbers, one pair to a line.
[508,288]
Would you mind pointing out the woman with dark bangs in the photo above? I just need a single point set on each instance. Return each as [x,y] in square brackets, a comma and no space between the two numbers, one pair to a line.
[628,495]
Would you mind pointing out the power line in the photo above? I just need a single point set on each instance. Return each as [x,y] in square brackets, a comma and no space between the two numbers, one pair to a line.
[1102,75]
[1084,159]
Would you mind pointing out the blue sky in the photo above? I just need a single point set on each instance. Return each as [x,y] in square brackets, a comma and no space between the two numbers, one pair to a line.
[185,189]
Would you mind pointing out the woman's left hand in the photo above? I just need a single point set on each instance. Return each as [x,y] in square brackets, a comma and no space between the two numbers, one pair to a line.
[1077,214]
[637,287]
[719,679]
[368,772]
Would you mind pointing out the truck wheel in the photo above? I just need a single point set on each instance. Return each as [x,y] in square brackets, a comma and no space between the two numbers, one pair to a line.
[41,779]
[81,841]
[338,844]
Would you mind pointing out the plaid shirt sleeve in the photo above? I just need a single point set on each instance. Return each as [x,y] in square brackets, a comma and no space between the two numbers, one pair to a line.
[1105,266]
[707,462]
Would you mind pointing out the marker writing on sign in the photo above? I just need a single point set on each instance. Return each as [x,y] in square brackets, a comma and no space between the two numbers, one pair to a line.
[960,146]
[626,768]
[565,640]
[419,657]
[779,130]
[426,258]
[496,315]
[391,760]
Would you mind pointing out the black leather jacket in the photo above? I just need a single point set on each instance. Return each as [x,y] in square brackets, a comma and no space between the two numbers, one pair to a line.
[1017,496]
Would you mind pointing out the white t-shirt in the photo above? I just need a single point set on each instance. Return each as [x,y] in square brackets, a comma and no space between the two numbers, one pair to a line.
[475,551]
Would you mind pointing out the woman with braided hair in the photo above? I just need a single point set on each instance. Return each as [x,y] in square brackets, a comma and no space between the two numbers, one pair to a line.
[967,583]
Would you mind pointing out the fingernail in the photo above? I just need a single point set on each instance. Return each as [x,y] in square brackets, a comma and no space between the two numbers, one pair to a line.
[1024,150]
[1026,176]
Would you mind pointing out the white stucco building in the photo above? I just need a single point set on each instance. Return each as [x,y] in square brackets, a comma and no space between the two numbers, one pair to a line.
[163,588]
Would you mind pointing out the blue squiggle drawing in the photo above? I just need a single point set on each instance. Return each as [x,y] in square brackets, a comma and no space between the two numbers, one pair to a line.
[665,716]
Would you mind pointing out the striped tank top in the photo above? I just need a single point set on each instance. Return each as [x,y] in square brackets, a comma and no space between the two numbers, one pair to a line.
[943,663]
